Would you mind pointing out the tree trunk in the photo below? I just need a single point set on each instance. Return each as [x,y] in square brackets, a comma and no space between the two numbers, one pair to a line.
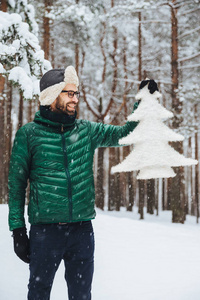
[196,167]
[77,70]
[100,202]
[112,177]
[117,182]
[30,110]
[77,64]
[139,48]
[156,195]
[127,177]
[53,53]
[191,180]
[129,180]
[177,187]
[163,195]
[20,112]
[2,136]
[3,184]
[77,58]
[169,186]
[150,196]
[177,197]
[128,191]
[46,28]
[100,172]
[141,184]
[4,5]
[8,137]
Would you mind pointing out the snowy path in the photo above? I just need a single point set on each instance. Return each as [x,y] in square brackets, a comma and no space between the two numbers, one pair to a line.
[134,260]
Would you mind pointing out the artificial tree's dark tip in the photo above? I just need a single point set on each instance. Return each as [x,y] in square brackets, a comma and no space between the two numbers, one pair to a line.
[143,83]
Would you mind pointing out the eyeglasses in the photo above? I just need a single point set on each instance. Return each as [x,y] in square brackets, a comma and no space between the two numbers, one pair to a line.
[71,94]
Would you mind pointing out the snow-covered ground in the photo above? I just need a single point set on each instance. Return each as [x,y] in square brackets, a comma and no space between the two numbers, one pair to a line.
[151,259]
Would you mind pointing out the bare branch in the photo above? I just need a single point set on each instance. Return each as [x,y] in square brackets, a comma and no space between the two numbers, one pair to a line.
[103,52]
[188,57]
[189,32]
[82,63]
[189,67]
[190,11]
[89,107]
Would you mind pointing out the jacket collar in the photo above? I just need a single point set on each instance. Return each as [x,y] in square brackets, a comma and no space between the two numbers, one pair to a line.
[51,119]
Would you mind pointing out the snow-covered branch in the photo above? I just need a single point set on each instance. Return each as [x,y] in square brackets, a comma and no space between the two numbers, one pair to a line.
[27,13]
[21,56]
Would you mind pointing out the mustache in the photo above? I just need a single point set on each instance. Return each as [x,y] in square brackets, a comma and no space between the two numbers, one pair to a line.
[64,108]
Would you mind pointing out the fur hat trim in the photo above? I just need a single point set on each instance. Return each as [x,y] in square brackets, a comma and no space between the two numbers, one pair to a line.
[70,76]
[49,95]
[51,79]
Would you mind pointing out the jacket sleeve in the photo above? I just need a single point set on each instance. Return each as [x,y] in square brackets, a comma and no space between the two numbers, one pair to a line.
[17,179]
[104,135]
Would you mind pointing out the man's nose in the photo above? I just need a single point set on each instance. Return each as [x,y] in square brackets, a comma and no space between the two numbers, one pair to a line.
[75,99]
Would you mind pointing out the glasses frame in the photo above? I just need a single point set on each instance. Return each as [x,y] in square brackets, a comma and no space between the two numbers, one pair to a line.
[77,94]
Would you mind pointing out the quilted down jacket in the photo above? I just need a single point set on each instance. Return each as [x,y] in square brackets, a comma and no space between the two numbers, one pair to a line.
[58,161]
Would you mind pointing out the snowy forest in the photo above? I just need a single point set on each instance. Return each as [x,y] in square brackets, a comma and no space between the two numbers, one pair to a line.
[114,45]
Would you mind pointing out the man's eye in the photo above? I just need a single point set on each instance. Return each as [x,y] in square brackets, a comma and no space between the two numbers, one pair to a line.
[71,94]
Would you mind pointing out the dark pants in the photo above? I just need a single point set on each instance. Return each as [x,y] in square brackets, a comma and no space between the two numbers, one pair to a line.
[49,244]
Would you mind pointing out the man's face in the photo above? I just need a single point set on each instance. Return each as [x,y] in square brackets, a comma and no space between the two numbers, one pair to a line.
[65,104]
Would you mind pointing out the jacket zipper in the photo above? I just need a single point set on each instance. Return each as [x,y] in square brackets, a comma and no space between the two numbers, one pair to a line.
[67,174]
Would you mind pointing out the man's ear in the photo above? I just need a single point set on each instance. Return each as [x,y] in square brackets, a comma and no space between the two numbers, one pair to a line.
[53,105]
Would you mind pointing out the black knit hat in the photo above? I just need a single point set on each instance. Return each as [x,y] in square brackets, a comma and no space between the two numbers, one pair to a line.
[51,77]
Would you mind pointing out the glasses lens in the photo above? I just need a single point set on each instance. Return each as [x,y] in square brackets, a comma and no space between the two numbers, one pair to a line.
[77,94]
[70,94]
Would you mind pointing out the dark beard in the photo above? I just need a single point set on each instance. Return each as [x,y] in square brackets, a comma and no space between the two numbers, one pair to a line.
[63,110]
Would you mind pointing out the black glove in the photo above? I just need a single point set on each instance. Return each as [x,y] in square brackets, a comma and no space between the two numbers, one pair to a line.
[152,85]
[21,244]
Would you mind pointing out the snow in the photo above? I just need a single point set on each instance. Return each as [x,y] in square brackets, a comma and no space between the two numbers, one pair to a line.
[26,11]
[17,74]
[152,259]
[11,3]
[2,70]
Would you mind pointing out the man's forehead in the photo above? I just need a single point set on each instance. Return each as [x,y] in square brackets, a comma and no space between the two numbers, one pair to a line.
[71,87]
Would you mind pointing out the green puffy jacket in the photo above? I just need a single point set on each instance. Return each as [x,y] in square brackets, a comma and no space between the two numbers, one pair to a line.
[58,161]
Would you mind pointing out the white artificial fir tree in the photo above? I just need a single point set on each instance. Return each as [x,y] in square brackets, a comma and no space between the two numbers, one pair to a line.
[152,155]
